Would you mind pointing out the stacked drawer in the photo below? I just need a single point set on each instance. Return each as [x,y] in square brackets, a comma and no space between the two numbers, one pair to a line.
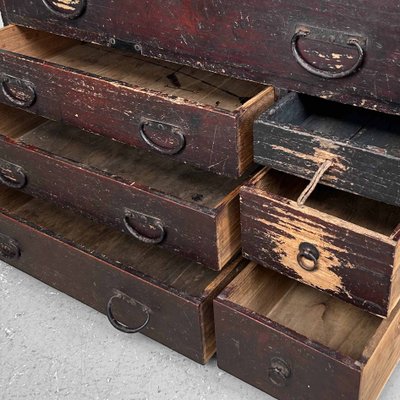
[120,180]
[314,313]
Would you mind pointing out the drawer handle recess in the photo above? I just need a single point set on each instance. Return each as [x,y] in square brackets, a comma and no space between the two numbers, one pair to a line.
[153,229]
[308,256]
[68,9]
[12,175]
[279,372]
[333,37]
[119,325]
[18,92]
[9,248]
[172,135]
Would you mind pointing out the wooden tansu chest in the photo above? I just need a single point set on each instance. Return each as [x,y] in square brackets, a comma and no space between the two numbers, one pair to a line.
[342,50]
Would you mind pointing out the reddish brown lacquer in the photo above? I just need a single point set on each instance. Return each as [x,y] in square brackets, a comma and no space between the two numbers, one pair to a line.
[347,51]
[151,198]
[294,342]
[141,289]
[190,116]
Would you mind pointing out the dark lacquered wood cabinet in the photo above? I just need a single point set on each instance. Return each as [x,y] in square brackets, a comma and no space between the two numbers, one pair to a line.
[343,244]
[344,51]
[153,199]
[294,342]
[141,289]
[185,114]
[300,133]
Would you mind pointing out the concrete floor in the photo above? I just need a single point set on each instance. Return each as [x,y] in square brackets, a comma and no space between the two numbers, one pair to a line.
[53,347]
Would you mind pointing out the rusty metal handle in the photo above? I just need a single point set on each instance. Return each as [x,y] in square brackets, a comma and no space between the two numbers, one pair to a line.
[25,94]
[67,9]
[12,175]
[152,222]
[169,129]
[354,42]
[9,248]
[119,325]
[279,372]
[308,256]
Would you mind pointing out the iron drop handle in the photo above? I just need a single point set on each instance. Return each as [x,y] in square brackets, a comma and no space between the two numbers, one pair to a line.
[314,33]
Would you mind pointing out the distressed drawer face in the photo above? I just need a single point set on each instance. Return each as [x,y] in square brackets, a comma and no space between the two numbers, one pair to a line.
[191,116]
[340,243]
[347,51]
[294,342]
[151,198]
[139,288]
[301,133]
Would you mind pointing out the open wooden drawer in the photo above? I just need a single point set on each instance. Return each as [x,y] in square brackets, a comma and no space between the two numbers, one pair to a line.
[140,288]
[295,342]
[338,242]
[300,133]
[192,116]
[152,198]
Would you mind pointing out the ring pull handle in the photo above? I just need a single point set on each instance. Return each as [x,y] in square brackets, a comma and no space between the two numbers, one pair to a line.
[279,372]
[9,248]
[67,9]
[119,325]
[144,227]
[308,257]
[18,92]
[12,175]
[332,37]
[172,138]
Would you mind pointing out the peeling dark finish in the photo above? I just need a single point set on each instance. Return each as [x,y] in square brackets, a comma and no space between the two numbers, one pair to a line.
[300,133]
[249,41]
[356,264]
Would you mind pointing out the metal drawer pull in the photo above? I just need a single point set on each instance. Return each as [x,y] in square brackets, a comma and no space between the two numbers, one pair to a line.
[148,222]
[308,256]
[279,372]
[332,37]
[12,175]
[176,136]
[17,91]
[9,248]
[68,9]
[119,325]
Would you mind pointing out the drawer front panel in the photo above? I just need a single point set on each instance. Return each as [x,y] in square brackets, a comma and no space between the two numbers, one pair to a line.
[263,355]
[188,231]
[333,49]
[353,169]
[195,134]
[94,282]
[350,265]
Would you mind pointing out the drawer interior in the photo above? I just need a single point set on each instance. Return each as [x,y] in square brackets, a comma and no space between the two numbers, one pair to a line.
[187,277]
[370,214]
[359,127]
[181,181]
[315,315]
[170,79]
